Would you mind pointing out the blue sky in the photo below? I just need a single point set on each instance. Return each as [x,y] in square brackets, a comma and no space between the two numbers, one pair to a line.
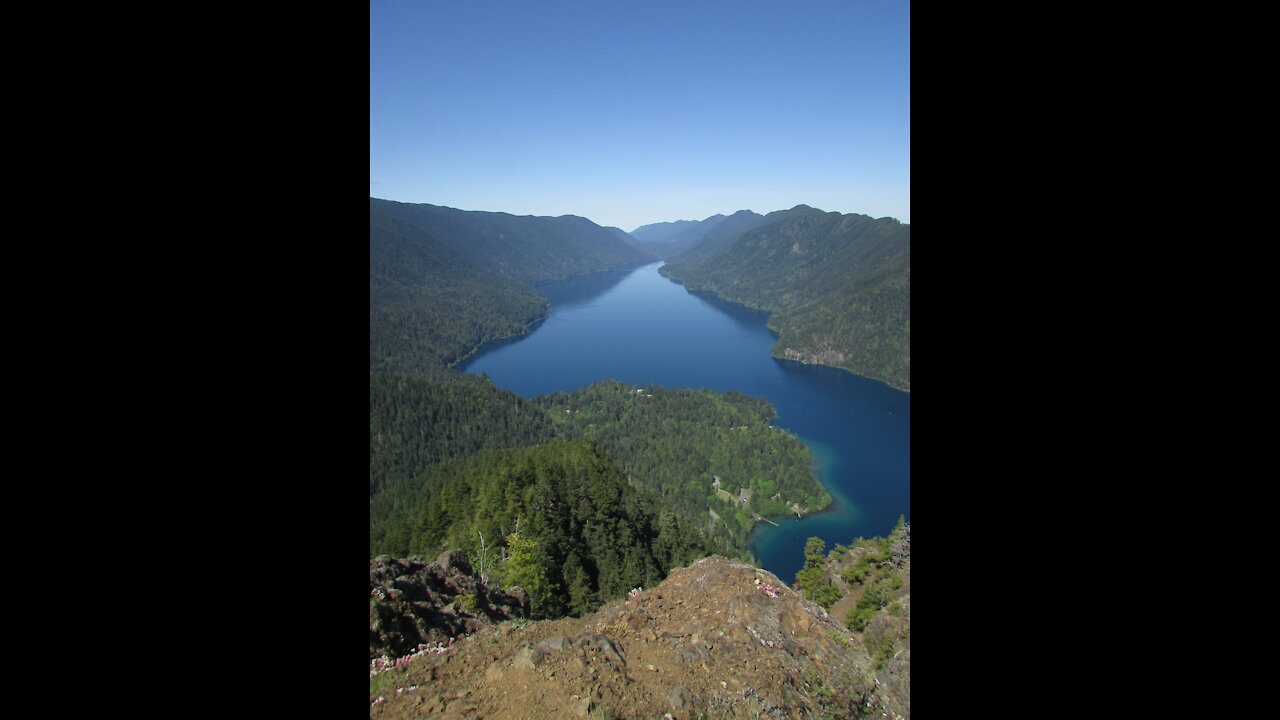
[631,113]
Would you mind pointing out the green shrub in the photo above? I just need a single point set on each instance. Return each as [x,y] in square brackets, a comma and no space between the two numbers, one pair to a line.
[858,617]
[856,574]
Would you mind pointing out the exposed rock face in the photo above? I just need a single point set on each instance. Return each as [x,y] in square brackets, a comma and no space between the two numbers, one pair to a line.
[719,638]
[412,601]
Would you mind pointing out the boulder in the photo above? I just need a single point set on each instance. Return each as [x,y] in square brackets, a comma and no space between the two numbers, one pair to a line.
[679,696]
[455,560]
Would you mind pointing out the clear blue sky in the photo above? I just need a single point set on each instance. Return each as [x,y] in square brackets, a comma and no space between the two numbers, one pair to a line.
[634,112]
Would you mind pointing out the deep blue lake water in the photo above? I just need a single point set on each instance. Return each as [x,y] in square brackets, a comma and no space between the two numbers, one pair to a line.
[638,327]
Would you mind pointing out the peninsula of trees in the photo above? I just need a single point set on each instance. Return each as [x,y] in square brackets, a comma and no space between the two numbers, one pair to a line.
[689,471]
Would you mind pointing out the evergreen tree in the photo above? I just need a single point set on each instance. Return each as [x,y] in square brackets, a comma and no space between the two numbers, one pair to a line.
[811,579]
[522,569]
[582,596]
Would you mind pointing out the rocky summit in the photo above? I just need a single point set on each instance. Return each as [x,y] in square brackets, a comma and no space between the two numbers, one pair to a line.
[718,638]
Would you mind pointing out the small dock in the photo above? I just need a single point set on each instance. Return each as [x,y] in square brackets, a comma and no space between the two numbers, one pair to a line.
[764,519]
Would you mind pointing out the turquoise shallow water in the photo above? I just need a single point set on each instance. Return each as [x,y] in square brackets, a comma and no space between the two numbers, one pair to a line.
[636,326]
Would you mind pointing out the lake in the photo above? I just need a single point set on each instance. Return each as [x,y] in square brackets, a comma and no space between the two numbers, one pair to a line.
[638,327]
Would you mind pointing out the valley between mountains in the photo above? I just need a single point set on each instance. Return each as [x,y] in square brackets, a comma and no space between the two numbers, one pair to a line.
[586,552]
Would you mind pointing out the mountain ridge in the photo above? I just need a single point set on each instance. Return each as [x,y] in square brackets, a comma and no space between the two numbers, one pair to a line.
[526,248]
[442,281]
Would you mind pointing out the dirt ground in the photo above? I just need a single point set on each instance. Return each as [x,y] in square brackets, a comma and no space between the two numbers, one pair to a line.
[716,639]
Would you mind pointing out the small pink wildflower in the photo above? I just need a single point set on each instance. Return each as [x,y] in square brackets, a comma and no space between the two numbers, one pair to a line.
[384,663]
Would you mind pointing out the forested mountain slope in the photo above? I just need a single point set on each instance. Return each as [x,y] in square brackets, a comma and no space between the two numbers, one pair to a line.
[713,238]
[416,421]
[694,451]
[589,535]
[429,306]
[528,249]
[698,450]
[838,285]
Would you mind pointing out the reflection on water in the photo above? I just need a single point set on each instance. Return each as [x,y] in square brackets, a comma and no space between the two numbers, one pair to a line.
[582,289]
[637,326]
[740,314]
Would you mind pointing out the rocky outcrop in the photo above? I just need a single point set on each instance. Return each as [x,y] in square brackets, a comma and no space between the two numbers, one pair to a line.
[718,638]
[412,602]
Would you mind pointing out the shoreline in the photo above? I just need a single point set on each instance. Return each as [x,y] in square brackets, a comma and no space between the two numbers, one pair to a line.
[773,352]
[527,329]
[818,463]
[834,512]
